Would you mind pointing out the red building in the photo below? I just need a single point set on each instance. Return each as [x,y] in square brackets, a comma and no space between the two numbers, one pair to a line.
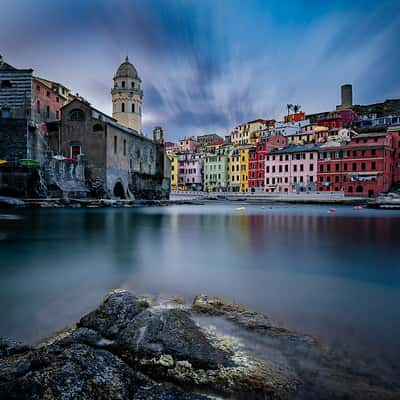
[257,160]
[46,103]
[364,166]
[334,119]
[394,131]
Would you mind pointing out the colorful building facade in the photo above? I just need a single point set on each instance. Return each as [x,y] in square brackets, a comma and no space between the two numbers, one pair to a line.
[291,169]
[244,168]
[234,170]
[257,156]
[216,171]
[190,171]
[364,166]
[174,170]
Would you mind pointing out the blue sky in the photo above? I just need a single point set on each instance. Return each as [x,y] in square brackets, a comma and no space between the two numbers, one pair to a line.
[208,65]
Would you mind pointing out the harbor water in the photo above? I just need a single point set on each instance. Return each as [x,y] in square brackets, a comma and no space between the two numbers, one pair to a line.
[334,275]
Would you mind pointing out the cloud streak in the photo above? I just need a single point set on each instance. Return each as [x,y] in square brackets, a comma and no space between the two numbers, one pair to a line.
[207,66]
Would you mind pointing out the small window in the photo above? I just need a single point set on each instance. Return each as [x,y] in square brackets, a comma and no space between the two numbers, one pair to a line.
[133,85]
[122,107]
[57,99]
[6,84]
[115,144]
[133,107]
[123,84]
[47,111]
[48,94]
[124,147]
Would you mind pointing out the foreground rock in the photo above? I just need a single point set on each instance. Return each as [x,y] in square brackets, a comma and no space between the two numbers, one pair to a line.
[129,348]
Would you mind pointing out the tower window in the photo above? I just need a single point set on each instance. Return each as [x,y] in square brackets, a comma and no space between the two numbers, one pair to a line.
[123,107]
[133,85]
[123,84]
[133,107]
[115,145]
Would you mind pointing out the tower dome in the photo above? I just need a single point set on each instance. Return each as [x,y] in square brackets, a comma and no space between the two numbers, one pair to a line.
[126,70]
[127,96]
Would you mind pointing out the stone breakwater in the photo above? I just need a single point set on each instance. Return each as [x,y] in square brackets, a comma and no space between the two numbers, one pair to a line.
[134,348]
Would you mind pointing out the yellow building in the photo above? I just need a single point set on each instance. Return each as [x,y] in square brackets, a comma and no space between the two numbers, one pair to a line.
[249,132]
[244,169]
[174,170]
[308,134]
[234,170]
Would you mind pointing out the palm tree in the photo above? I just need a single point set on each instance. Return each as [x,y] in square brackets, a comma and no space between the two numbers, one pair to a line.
[296,108]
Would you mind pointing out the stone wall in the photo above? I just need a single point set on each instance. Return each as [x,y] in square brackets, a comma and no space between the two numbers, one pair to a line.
[149,187]
[19,140]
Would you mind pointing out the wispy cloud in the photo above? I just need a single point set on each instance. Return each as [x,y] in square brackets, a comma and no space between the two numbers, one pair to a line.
[207,66]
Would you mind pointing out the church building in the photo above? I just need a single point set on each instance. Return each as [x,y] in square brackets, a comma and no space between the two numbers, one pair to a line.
[120,161]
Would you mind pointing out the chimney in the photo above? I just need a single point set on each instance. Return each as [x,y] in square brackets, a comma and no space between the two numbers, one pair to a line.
[347,95]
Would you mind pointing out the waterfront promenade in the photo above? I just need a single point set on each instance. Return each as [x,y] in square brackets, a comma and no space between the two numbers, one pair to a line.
[325,197]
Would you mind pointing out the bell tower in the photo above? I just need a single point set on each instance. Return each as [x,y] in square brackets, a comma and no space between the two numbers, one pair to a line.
[127,97]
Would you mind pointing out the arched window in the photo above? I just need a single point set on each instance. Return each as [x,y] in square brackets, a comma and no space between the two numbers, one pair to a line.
[76,115]
[122,107]
[133,107]
[359,189]
[123,84]
[133,85]
[97,128]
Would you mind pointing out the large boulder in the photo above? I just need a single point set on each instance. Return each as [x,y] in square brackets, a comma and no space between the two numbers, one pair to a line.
[154,333]
[118,309]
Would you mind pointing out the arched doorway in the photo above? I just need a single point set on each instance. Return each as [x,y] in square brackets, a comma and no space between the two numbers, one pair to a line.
[119,190]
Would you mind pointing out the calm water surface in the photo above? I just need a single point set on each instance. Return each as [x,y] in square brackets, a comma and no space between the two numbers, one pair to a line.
[336,276]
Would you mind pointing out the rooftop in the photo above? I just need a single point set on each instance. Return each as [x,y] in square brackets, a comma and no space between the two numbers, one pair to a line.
[296,149]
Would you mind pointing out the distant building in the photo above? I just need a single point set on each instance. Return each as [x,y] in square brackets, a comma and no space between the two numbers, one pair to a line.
[364,166]
[20,137]
[308,134]
[188,144]
[190,171]
[334,119]
[234,169]
[216,170]
[292,169]
[257,156]
[296,117]
[249,132]
[244,168]
[174,170]
[207,140]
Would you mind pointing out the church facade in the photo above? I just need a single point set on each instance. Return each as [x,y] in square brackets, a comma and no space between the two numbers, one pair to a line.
[120,162]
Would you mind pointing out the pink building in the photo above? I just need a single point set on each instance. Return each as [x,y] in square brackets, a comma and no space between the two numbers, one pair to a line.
[188,144]
[291,169]
[190,171]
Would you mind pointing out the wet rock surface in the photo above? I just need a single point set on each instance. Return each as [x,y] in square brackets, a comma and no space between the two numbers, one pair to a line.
[129,348]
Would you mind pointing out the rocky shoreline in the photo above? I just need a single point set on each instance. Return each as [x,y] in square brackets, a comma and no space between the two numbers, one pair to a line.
[133,347]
